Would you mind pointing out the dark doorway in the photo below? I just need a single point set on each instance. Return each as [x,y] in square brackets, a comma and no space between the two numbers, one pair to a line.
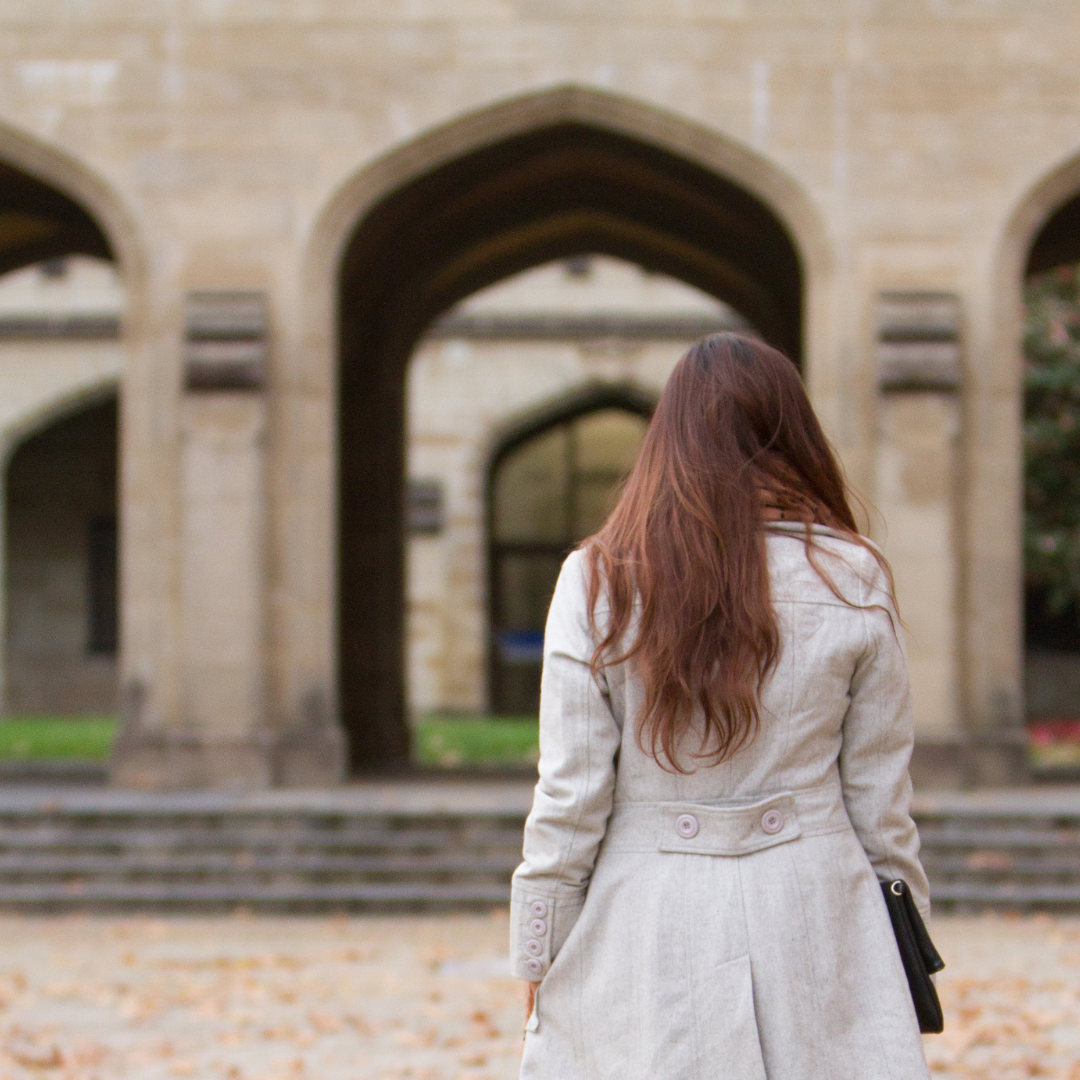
[559,191]
[62,567]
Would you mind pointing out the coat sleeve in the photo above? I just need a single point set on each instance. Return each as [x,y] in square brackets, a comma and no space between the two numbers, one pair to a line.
[579,741]
[878,736]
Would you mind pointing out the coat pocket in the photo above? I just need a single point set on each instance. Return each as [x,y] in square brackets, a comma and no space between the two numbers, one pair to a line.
[727,1026]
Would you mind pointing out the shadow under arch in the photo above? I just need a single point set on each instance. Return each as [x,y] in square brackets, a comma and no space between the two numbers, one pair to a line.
[562,173]
[55,410]
[1041,234]
[1057,243]
[1033,236]
[52,204]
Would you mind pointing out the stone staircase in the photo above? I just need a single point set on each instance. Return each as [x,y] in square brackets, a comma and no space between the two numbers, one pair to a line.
[370,847]
[1016,849]
[416,845]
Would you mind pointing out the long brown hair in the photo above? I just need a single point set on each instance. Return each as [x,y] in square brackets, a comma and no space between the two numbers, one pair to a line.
[683,553]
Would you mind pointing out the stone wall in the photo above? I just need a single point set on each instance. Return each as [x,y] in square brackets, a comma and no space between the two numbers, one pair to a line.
[916,148]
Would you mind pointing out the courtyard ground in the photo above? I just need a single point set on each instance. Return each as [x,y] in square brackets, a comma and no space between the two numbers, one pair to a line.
[423,998]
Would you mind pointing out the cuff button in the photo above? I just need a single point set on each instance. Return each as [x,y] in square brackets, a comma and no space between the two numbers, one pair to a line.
[539,909]
[538,928]
[534,967]
[533,947]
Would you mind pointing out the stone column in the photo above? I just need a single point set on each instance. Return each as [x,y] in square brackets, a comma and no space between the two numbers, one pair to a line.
[223,540]
[918,423]
[214,724]
[919,380]
[221,737]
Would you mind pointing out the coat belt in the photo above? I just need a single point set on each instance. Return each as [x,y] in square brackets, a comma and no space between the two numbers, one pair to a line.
[726,828]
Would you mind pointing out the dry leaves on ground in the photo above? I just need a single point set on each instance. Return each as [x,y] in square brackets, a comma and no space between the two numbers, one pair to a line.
[245,998]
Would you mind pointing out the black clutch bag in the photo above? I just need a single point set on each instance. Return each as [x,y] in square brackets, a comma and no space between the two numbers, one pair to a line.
[918,954]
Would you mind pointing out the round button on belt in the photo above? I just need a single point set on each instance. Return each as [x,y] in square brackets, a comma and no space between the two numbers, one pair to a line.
[534,967]
[538,908]
[772,821]
[686,825]
[538,928]
[534,947]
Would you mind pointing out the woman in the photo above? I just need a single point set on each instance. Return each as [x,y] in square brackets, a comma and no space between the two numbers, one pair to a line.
[725,728]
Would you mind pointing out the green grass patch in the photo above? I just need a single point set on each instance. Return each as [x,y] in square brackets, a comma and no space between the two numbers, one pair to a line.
[448,742]
[453,742]
[24,737]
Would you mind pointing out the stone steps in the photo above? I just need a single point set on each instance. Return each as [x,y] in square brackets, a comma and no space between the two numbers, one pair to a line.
[368,847]
[303,896]
[415,846]
[202,836]
[245,864]
[1006,849]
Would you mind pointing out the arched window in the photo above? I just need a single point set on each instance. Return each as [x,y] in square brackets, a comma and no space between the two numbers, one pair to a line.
[549,490]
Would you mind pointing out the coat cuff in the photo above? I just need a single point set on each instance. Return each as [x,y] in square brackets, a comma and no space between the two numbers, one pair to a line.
[539,925]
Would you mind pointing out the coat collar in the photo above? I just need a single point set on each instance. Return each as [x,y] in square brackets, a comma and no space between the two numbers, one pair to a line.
[797,528]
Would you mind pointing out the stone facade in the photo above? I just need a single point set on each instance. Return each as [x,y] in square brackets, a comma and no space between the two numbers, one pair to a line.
[363,167]
[515,358]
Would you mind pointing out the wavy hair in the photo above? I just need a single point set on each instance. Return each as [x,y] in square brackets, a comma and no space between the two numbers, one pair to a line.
[681,561]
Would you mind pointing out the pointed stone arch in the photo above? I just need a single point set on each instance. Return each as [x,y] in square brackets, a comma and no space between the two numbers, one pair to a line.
[44,414]
[562,172]
[575,402]
[1040,230]
[53,205]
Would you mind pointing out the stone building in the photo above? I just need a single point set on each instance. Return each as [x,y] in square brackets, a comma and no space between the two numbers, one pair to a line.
[525,408]
[293,195]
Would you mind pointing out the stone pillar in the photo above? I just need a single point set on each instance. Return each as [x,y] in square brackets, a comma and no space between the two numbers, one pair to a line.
[919,380]
[221,737]
[215,725]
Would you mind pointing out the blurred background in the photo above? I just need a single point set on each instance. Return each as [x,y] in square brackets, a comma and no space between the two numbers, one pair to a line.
[526,404]
[326,331]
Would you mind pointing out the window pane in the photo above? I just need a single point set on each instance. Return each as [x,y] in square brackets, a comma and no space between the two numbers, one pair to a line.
[524,586]
[530,491]
[606,445]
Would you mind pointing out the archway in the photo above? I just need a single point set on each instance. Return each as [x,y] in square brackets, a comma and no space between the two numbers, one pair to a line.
[558,190]
[42,224]
[1052,485]
[550,485]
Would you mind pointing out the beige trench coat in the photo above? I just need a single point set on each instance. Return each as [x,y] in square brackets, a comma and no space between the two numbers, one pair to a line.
[727,923]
